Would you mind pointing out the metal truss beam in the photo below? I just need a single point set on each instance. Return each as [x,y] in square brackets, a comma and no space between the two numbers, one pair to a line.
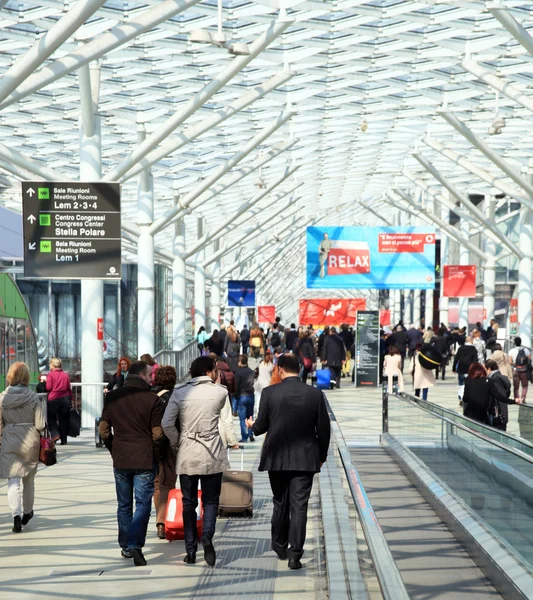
[502,85]
[512,26]
[478,171]
[205,125]
[99,46]
[24,162]
[488,152]
[218,231]
[474,210]
[375,213]
[46,45]
[226,166]
[198,100]
[416,211]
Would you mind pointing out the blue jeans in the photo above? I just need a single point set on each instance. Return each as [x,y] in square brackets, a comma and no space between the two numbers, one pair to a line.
[245,408]
[234,404]
[461,378]
[132,526]
[211,485]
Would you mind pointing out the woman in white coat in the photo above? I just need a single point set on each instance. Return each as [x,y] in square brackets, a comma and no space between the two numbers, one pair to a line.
[21,419]
[423,379]
[392,367]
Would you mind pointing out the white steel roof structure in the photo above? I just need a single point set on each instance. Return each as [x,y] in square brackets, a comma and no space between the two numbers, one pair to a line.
[339,103]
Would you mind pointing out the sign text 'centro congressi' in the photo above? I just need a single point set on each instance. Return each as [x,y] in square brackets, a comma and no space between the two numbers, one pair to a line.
[71,230]
[370,258]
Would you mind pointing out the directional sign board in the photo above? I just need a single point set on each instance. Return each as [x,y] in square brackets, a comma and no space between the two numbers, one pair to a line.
[71,230]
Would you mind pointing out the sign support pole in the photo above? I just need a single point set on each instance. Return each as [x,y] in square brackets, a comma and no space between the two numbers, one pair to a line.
[199,284]
[92,290]
[179,284]
[464,259]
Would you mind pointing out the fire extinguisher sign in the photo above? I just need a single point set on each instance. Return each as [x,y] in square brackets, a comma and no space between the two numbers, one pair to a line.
[370,258]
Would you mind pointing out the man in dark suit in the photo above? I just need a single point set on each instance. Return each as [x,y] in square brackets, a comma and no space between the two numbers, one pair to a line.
[334,356]
[295,416]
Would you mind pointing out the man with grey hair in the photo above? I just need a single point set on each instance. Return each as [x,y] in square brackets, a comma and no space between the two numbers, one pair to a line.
[465,356]
[324,249]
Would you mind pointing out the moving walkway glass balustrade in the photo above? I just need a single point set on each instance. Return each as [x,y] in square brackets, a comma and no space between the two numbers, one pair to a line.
[493,479]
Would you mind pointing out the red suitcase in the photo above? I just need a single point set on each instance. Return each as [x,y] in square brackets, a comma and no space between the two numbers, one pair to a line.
[174,516]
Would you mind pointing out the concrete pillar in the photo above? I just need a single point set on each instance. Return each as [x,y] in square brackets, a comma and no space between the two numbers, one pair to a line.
[199,285]
[525,295]
[92,295]
[417,310]
[464,259]
[145,262]
[444,257]
[397,306]
[179,287]
[407,307]
[489,272]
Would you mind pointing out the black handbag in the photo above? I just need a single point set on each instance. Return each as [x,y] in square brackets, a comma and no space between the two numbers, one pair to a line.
[495,417]
[74,422]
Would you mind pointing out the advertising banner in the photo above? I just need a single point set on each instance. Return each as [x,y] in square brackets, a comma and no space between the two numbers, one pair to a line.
[459,281]
[384,317]
[241,293]
[330,311]
[367,348]
[370,258]
[266,314]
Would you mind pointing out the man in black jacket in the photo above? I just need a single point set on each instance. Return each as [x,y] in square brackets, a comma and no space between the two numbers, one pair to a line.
[245,339]
[290,337]
[499,390]
[334,356]
[296,419]
[245,394]
[131,429]
[465,356]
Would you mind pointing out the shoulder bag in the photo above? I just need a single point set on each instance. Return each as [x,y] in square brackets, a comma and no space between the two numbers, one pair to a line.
[47,451]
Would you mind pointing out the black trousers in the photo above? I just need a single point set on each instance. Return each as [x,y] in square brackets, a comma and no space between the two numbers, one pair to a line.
[291,490]
[211,485]
[336,375]
[58,420]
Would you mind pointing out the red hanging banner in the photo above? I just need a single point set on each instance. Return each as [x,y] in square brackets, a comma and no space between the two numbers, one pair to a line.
[384,317]
[99,329]
[266,314]
[459,281]
[330,311]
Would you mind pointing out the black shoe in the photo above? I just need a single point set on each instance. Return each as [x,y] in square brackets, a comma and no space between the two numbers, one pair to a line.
[125,553]
[294,563]
[281,555]
[242,441]
[138,557]
[17,524]
[235,414]
[27,518]
[210,556]
[252,439]
[161,531]
[190,559]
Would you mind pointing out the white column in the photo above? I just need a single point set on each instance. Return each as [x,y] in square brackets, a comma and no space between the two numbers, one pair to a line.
[397,306]
[417,310]
[407,307]
[489,272]
[199,285]
[145,263]
[464,259]
[179,287]
[215,297]
[525,295]
[92,295]
[444,252]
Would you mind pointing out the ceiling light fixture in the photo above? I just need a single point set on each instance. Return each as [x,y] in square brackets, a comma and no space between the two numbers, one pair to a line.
[498,122]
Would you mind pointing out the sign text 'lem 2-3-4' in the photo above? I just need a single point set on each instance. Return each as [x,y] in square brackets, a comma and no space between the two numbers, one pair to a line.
[71,230]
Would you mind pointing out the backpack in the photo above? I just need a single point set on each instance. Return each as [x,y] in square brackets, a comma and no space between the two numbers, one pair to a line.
[521,360]
[275,340]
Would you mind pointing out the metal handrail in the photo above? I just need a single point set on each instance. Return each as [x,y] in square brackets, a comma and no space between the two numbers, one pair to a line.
[477,434]
[390,580]
[436,408]
[179,359]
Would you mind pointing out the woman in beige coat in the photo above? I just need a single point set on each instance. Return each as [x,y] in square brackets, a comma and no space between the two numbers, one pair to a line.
[502,360]
[392,367]
[21,419]
[423,379]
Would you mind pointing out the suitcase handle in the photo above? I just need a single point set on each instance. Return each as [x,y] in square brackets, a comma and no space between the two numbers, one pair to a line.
[241,447]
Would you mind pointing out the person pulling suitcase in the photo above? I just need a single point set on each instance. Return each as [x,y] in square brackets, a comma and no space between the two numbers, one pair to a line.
[197,407]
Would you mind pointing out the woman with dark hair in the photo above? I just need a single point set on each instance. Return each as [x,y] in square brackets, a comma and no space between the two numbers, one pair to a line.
[304,351]
[165,479]
[321,339]
[215,343]
[476,396]
[423,378]
[232,348]
[201,337]
[118,378]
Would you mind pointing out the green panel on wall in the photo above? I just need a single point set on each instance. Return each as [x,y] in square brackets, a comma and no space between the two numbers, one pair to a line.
[3,278]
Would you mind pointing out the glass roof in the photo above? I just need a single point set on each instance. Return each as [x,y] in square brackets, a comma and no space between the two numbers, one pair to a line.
[367,85]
